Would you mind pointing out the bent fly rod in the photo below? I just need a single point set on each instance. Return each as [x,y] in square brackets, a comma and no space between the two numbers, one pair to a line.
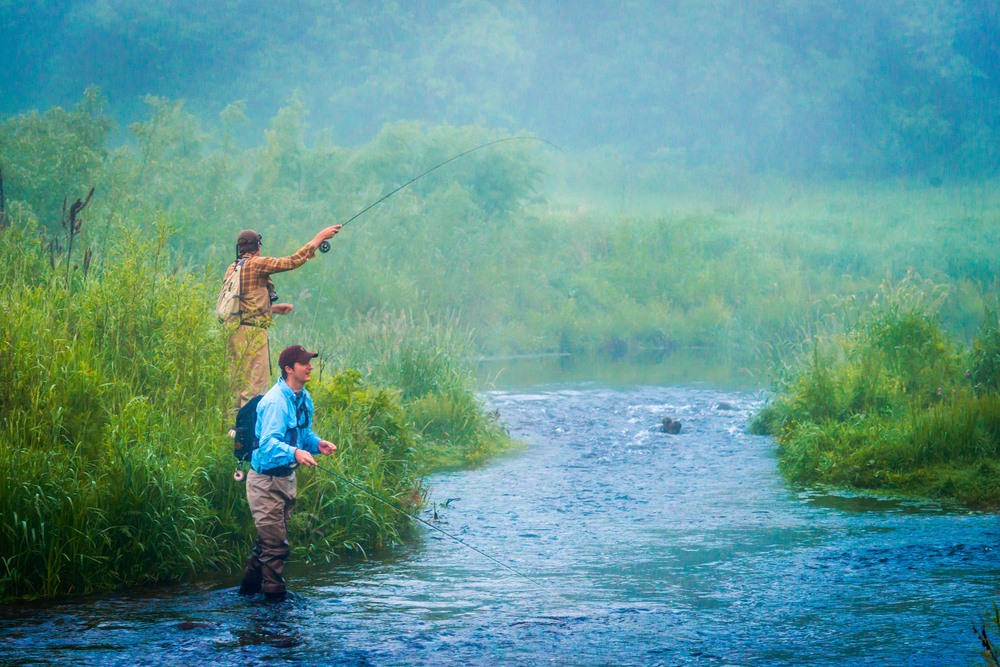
[325,245]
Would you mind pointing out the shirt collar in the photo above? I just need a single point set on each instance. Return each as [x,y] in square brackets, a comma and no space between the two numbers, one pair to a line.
[287,391]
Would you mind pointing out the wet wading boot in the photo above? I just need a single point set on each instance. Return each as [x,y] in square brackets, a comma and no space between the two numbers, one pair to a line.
[251,583]
[252,578]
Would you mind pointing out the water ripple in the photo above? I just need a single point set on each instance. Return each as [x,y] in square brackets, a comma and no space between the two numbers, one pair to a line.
[639,548]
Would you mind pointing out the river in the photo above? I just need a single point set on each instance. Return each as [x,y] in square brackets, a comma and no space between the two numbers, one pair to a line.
[629,546]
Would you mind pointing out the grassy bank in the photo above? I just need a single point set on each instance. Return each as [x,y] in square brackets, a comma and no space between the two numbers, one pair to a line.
[892,404]
[114,466]
[428,363]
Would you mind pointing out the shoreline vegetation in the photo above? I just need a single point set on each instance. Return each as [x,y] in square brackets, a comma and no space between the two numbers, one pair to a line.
[113,390]
[887,401]
[114,402]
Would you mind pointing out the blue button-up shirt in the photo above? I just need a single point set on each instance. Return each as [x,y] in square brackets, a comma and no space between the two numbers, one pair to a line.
[280,414]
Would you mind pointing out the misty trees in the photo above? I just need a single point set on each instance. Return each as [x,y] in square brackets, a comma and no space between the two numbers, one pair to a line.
[51,156]
[843,87]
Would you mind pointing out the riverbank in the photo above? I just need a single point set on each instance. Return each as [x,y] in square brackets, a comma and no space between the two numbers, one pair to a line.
[114,395]
[891,403]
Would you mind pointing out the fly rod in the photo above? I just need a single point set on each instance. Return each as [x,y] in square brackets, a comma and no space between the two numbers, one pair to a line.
[325,245]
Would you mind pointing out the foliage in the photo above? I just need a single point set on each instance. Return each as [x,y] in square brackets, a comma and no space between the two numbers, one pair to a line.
[55,155]
[476,238]
[849,87]
[113,406]
[887,407]
[427,362]
[984,355]
[728,265]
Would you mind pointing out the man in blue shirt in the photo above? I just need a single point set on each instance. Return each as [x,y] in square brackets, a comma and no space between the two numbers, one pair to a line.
[284,430]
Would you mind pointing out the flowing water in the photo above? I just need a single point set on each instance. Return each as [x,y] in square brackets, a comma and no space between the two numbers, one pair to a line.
[636,548]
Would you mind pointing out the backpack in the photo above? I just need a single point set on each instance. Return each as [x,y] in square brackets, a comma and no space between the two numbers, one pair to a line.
[244,434]
[229,307]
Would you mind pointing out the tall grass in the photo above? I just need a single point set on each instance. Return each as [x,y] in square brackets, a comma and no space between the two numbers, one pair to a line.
[428,362]
[892,404]
[111,401]
[114,466]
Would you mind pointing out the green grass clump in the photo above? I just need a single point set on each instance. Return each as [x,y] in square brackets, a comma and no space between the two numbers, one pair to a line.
[111,406]
[892,405]
[114,465]
[428,363]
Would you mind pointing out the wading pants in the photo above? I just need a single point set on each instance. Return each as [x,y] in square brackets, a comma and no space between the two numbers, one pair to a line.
[251,362]
[271,501]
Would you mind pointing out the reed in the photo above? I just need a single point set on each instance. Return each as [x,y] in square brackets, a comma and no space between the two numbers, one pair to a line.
[114,466]
[886,405]
[986,631]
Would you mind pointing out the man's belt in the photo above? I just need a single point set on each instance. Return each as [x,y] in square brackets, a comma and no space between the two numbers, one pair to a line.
[280,471]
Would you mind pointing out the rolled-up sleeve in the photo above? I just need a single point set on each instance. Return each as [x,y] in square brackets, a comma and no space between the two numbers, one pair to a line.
[271,265]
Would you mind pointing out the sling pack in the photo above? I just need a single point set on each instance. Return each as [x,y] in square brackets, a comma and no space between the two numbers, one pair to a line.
[229,307]
[244,434]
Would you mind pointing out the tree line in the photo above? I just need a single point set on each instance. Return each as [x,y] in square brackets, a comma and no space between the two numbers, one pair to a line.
[826,87]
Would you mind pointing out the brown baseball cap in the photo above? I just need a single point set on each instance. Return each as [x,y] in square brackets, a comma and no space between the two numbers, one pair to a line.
[248,236]
[248,239]
[294,354]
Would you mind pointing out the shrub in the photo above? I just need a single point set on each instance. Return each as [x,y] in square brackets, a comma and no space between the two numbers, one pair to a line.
[114,466]
[885,407]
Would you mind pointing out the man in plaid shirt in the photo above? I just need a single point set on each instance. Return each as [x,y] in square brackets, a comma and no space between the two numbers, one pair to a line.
[248,345]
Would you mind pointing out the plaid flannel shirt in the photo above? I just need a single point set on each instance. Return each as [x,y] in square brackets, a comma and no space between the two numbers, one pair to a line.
[256,285]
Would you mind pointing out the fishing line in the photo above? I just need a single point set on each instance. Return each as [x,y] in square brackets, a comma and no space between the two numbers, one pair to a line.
[445,533]
[325,245]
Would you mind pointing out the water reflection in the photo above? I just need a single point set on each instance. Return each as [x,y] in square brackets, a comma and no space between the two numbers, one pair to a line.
[860,503]
[270,623]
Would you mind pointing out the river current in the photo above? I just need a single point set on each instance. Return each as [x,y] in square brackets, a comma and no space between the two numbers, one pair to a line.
[631,547]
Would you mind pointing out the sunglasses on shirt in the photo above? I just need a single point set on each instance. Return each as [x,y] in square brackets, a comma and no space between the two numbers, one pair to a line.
[301,414]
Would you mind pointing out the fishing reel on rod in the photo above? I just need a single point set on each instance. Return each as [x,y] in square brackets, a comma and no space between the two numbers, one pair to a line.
[324,246]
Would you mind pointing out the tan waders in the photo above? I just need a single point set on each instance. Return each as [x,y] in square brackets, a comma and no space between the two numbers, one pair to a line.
[251,356]
[271,499]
